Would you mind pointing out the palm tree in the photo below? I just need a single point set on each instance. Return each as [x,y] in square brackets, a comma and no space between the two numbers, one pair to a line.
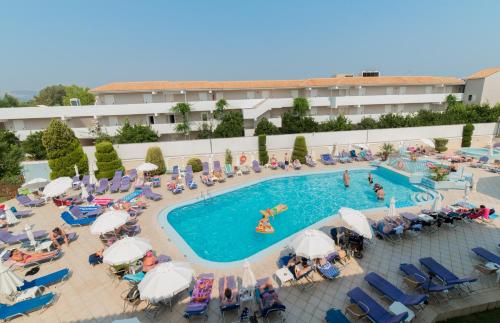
[387,149]
[183,109]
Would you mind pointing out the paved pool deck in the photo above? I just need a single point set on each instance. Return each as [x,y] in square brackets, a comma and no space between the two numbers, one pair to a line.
[90,295]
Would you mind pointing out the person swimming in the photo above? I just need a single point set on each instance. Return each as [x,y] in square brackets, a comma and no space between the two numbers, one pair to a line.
[380,193]
[346,178]
[370,178]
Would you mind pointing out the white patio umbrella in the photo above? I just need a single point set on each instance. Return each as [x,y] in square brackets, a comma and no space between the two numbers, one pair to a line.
[126,250]
[165,280]
[92,179]
[312,244]
[428,142]
[335,150]
[357,221]
[436,206]
[85,193]
[313,154]
[36,183]
[10,217]
[8,281]
[147,167]
[391,212]
[363,146]
[248,280]
[57,187]
[76,171]
[109,221]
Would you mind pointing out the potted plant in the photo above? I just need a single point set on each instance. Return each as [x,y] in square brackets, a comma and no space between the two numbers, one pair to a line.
[387,149]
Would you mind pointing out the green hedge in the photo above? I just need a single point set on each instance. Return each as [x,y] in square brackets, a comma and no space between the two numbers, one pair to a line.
[299,149]
[196,164]
[467,135]
[154,155]
[107,160]
[263,155]
[440,144]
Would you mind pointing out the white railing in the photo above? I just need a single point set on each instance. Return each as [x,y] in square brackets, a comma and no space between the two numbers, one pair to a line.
[392,99]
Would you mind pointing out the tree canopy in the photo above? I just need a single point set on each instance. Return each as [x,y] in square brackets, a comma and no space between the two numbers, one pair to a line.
[135,134]
[265,127]
[11,156]
[9,101]
[51,95]
[231,125]
[33,145]
[82,93]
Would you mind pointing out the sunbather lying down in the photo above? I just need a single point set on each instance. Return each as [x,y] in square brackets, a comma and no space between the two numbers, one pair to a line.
[229,296]
[298,266]
[24,257]
[268,295]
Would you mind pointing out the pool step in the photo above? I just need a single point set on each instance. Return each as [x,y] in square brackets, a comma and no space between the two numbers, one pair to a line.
[422,197]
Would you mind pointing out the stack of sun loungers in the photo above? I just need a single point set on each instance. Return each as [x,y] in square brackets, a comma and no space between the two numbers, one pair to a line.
[200,297]
[132,174]
[190,183]
[256,166]
[76,182]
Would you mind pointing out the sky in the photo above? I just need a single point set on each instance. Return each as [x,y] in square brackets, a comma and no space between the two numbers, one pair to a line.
[94,42]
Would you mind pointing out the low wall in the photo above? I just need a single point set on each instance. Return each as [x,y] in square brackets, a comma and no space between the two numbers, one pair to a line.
[179,151]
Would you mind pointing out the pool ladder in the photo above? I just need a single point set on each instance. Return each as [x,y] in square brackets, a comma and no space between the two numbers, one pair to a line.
[205,195]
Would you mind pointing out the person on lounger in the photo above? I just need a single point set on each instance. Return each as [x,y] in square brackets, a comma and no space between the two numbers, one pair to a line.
[96,257]
[229,295]
[347,179]
[58,237]
[287,161]
[149,262]
[20,256]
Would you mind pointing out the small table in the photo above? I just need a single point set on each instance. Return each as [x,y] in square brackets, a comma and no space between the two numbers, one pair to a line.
[397,308]
[43,246]
[492,265]
[284,275]
[246,297]
[28,294]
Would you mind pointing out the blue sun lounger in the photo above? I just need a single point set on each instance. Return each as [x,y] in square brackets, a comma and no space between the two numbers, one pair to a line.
[443,273]
[328,270]
[486,254]
[422,279]
[327,159]
[46,280]
[175,172]
[374,310]
[334,315]
[24,307]
[70,220]
[392,292]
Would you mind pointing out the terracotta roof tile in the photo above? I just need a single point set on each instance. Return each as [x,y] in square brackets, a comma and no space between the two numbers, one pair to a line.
[483,73]
[270,84]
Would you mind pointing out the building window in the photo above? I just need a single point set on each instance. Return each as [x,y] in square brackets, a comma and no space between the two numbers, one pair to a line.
[109,99]
[266,94]
[402,90]
[204,116]
[294,93]
[470,97]
[203,96]
[219,95]
[428,90]
[151,119]
[389,90]
[250,95]
[171,118]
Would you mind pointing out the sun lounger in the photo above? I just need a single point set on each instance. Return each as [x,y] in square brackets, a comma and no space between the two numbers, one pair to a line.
[486,254]
[327,159]
[134,278]
[71,221]
[46,280]
[335,315]
[125,184]
[297,165]
[421,280]
[228,169]
[86,180]
[85,211]
[102,187]
[32,262]
[374,310]
[24,200]
[256,166]
[310,162]
[75,182]
[233,286]
[206,170]
[132,174]
[244,169]
[21,214]
[10,238]
[443,273]
[190,183]
[149,194]
[392,292]
[328,270]
[115,185]
[394,235]
[8,312]
[206,180]
[175,172]
[267,303]
[200,296]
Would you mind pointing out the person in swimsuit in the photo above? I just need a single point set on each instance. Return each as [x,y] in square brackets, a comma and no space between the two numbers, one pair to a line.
[20,256]
[229,295]
[58,237]
[370,178]
[287,161]
[380,193]
[346,178]
[148,262]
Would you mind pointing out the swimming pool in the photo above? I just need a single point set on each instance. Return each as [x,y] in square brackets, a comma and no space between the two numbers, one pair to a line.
[38,169]
[222,228]
[480,152]
[412,166]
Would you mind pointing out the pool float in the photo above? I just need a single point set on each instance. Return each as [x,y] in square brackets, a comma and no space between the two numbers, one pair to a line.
[243,159]
[264,227]
[275,210]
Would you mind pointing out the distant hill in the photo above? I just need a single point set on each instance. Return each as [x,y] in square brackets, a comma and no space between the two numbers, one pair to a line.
[23,95]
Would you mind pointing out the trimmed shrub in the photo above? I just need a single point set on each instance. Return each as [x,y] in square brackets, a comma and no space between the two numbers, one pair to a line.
[263,155]
[64,150]
[33,145]
[440,144]
[265,127]
[229,157]
[107,160]
[467,135]
[196,164]
[155,156]
[299,149]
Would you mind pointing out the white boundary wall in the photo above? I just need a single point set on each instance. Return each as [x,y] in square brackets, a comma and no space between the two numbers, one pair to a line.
[316,141]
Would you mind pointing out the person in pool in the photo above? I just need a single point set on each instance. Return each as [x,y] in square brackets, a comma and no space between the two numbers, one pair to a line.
[380,193]
[346,178]
[370,178]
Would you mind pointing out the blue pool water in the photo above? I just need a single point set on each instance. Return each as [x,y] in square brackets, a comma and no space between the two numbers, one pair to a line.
[32,170]
[222,228]
[479,152]
[412,166]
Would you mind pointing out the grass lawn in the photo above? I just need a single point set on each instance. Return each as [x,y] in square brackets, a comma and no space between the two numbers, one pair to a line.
[483,317]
